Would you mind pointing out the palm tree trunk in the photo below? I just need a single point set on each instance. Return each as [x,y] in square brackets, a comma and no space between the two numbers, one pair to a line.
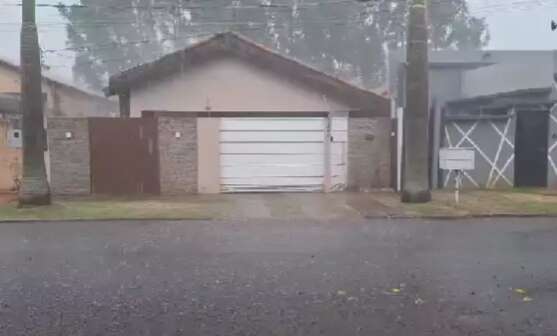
[34,188]
[416,115]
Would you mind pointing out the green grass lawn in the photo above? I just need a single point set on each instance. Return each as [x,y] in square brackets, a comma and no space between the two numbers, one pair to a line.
[106,209]
[488,202]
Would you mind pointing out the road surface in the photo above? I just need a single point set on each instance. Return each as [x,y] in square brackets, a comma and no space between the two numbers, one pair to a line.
[376,277]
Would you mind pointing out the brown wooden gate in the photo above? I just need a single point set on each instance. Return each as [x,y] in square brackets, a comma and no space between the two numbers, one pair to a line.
[124,157]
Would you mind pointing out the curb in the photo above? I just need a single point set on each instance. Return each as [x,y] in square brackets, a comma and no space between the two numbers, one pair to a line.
[448,217]
[372,217]
[32,221]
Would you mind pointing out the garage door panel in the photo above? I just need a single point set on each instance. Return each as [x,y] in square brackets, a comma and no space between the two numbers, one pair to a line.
[270,189]
[272,181]
[269,124]
[272,148]
[272,136]
[278,170]
[295,170]
[257,159]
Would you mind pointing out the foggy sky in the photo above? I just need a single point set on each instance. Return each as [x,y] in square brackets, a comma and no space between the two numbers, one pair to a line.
[522,25]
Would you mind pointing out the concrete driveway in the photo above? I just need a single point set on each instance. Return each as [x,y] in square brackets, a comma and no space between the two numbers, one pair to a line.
[272,277]
[312,206]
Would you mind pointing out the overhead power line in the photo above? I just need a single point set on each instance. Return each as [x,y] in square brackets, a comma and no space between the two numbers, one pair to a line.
[305,5]
[505,6]
[238,26]
[112,44]
[190,7]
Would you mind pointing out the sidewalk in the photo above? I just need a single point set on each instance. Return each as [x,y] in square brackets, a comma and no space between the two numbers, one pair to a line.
[290,206]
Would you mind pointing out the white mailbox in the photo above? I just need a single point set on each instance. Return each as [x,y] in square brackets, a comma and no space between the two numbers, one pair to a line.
[457,159]
[14,138]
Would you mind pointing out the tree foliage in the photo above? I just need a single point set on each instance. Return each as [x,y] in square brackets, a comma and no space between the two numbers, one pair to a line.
[346,38]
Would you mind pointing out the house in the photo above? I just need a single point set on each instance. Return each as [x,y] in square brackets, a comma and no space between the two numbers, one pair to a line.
[10,142]
[233,116]
[61,100]
[499,103]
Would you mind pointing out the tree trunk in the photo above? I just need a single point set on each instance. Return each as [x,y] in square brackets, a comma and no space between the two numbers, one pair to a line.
[416,115]
[34,188]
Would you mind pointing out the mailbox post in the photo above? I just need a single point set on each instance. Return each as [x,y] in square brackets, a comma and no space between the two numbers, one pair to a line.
[458,160]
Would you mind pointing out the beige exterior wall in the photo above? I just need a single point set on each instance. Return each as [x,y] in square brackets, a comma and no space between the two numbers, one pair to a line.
[10,161]
[10,168]
[208,172]
[9,80]
[67,102]
[228,84]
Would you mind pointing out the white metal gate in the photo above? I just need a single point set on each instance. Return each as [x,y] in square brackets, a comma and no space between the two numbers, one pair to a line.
[281,154]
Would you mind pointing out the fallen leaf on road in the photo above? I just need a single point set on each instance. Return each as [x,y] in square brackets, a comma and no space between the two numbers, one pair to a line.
[341,293]
[395,290]
[527,299]
[520,291]
[419,301]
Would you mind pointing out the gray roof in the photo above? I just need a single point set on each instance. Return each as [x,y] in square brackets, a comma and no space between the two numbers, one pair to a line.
[480,75]
[460,58]
[539,95]
[507,77]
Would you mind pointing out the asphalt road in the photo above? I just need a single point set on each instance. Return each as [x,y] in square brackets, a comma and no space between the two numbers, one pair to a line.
[380,277]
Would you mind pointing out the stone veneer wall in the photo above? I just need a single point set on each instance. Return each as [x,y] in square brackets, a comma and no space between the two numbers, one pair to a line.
[177,155]
[369,153]
[69,158]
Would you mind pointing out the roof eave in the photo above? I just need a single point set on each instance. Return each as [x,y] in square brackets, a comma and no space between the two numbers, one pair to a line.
[507,94]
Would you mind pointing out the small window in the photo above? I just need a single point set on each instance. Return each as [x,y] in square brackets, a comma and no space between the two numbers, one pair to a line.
[16,135]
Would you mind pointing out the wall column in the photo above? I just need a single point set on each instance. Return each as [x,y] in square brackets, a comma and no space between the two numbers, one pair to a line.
[69,149]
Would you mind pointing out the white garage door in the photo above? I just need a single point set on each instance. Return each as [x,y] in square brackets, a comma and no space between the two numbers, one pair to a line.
[279,154]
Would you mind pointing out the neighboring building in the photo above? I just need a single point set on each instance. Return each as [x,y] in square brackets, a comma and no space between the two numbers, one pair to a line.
[61,100]
[501,104]
[233,116]
[10,142]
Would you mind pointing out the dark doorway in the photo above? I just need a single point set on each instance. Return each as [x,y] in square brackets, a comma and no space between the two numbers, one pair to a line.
[124,157]
[531,148]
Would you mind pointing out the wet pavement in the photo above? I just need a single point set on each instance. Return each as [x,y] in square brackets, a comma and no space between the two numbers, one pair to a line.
[271,277]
